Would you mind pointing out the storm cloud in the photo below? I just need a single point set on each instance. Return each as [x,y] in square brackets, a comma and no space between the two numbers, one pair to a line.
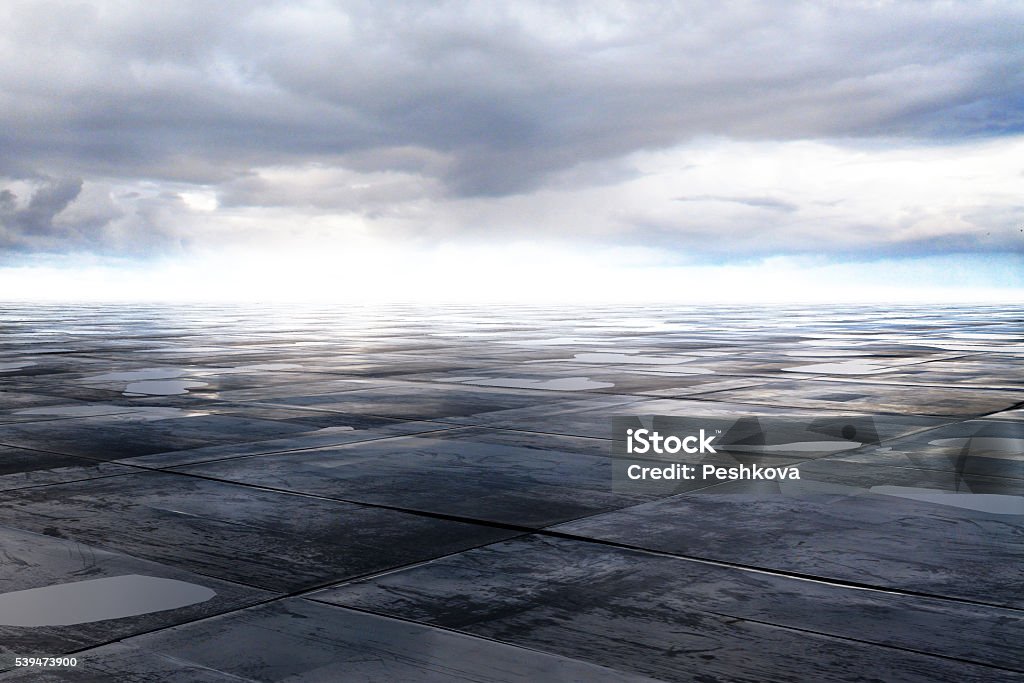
[36,218]
[491,120]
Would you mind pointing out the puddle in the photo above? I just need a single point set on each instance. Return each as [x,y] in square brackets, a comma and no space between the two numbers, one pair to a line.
[840,342]
[73,411]
[560,384]
[574,384]
[167,382]
[628,359]
[108,411]
[16,365]
[190,349]
[554,341]
[850,367]
[82,602]
[161,387]
[826,353]
[675,370]
[995,503]
[496,333]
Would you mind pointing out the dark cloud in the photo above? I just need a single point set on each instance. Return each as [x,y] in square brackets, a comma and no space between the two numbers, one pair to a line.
[55,215]
[27,226]
[511,91]
[458,101]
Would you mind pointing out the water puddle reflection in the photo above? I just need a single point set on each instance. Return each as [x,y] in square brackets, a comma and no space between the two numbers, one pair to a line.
[82,602]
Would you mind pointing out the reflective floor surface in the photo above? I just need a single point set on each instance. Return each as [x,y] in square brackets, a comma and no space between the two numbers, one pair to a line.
[222,493]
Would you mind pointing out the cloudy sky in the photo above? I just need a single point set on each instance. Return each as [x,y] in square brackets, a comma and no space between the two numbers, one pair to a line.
[442,150]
